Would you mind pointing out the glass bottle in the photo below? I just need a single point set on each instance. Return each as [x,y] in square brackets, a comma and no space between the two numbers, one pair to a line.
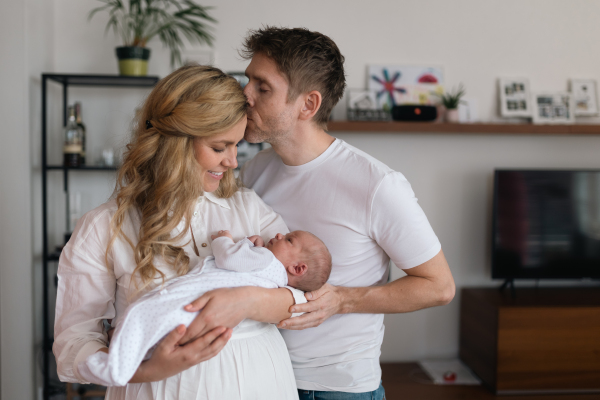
[83,132]
[72,147]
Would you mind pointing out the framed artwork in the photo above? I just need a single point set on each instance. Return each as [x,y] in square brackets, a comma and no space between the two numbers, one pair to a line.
[420,94]
[514,97]
[553,108]
[360,99]
[398,84]
[585,97]
[363,105]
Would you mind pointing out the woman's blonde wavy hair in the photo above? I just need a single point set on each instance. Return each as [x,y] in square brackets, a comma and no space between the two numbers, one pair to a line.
[160,178]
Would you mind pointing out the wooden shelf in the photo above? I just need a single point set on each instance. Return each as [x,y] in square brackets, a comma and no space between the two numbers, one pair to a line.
[479,128]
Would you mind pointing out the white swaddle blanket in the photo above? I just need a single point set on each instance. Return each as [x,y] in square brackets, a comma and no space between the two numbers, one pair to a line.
[158,312]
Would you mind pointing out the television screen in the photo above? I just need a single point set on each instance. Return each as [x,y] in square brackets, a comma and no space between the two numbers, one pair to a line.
[546,224]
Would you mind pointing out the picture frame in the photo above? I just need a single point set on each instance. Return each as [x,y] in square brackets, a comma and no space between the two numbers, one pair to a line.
[364,105]
[515,97]
[585,97]
[552,108]
[394,84]
[361,99]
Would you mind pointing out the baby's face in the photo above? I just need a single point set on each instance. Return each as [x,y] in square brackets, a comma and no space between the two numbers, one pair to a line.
[288,248]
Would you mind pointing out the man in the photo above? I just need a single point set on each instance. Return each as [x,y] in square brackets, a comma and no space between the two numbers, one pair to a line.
[363,211]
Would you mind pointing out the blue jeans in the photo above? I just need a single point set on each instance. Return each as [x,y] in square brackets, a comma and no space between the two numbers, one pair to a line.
[378,394]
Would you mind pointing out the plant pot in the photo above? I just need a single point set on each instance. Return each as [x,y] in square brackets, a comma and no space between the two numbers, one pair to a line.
[452,115]
[133,60]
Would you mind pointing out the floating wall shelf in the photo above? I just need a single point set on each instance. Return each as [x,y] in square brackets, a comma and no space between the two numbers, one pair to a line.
[478,128]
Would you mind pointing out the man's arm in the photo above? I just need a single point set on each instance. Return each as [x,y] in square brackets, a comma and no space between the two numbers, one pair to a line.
[427,285]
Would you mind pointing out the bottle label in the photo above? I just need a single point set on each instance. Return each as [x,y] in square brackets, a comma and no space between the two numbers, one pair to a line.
[72,148]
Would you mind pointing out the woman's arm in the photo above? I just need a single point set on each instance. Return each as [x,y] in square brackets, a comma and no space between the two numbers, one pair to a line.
[229,306]
[86,295]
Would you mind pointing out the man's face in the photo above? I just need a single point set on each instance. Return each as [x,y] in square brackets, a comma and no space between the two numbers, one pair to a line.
[270,117]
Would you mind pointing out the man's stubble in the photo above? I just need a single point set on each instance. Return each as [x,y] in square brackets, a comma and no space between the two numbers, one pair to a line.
[276,130]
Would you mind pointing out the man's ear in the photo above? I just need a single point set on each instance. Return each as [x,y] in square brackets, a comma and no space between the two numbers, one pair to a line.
[298,269]
[311,104]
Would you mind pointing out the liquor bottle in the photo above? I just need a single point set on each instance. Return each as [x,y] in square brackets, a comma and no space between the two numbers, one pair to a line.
[72,146]
[83,132]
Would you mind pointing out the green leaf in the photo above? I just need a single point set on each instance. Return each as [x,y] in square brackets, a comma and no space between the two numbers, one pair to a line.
[141,20]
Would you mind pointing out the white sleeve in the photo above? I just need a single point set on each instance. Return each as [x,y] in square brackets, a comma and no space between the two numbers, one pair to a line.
[399,225]
[242,256]
[299,298]
[85,297]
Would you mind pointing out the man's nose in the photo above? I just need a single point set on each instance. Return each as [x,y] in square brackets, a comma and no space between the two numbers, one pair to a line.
[248,94]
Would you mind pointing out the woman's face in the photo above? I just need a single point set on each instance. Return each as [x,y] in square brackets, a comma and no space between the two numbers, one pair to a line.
[217,153]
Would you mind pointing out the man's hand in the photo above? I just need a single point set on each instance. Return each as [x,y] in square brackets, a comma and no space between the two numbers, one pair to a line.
[427,285]
[224,233]
[257,240]
[322,304]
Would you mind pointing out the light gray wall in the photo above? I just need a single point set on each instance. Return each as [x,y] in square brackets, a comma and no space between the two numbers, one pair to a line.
[476,42]
[16,304]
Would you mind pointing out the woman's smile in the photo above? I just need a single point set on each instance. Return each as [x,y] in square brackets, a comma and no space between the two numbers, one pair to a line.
[217,154]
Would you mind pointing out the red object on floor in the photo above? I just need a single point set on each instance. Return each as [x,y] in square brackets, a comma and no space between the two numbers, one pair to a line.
[449,376]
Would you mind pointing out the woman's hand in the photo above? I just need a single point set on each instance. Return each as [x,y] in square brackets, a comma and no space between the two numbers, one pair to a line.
[221,307]
[169,358]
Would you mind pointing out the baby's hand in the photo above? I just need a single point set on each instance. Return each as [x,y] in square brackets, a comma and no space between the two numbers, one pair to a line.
[257,240]
[221,234]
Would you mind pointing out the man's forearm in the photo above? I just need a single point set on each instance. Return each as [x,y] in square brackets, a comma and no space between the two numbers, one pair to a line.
[427,285]
[403,295]
[270,305]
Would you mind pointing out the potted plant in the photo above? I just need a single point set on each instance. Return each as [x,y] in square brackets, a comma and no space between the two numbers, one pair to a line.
[450,101]
[138,21]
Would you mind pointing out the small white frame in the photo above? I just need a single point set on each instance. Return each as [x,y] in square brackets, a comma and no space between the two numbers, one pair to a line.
[552,108]
[585,97]
[515,97]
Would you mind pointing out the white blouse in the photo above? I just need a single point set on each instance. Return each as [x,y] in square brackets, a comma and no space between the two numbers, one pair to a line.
[91,290]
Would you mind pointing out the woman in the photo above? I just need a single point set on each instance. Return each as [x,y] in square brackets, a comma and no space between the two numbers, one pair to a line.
[176,187]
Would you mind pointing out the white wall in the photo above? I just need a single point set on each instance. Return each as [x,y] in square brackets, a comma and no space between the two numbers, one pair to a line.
[16,270]
[476,42]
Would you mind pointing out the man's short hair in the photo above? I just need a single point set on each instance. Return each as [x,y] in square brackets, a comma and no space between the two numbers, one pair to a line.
[308,60]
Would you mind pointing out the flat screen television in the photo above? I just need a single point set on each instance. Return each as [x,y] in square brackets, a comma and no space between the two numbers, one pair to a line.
[546,224]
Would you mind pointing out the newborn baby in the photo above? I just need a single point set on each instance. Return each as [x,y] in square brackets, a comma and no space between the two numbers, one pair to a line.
[298,259]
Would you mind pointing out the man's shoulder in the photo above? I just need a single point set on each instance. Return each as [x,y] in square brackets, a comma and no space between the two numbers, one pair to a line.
[363,163]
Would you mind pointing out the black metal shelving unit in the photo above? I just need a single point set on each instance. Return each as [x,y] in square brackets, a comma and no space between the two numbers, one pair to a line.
[67,80]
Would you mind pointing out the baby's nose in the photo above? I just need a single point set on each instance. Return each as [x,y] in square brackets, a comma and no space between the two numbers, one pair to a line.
[279,236]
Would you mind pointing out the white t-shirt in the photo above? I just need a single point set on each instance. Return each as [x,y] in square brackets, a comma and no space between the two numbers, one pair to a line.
[365,213]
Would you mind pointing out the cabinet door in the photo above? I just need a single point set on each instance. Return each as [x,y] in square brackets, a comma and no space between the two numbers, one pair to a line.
[548,348]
